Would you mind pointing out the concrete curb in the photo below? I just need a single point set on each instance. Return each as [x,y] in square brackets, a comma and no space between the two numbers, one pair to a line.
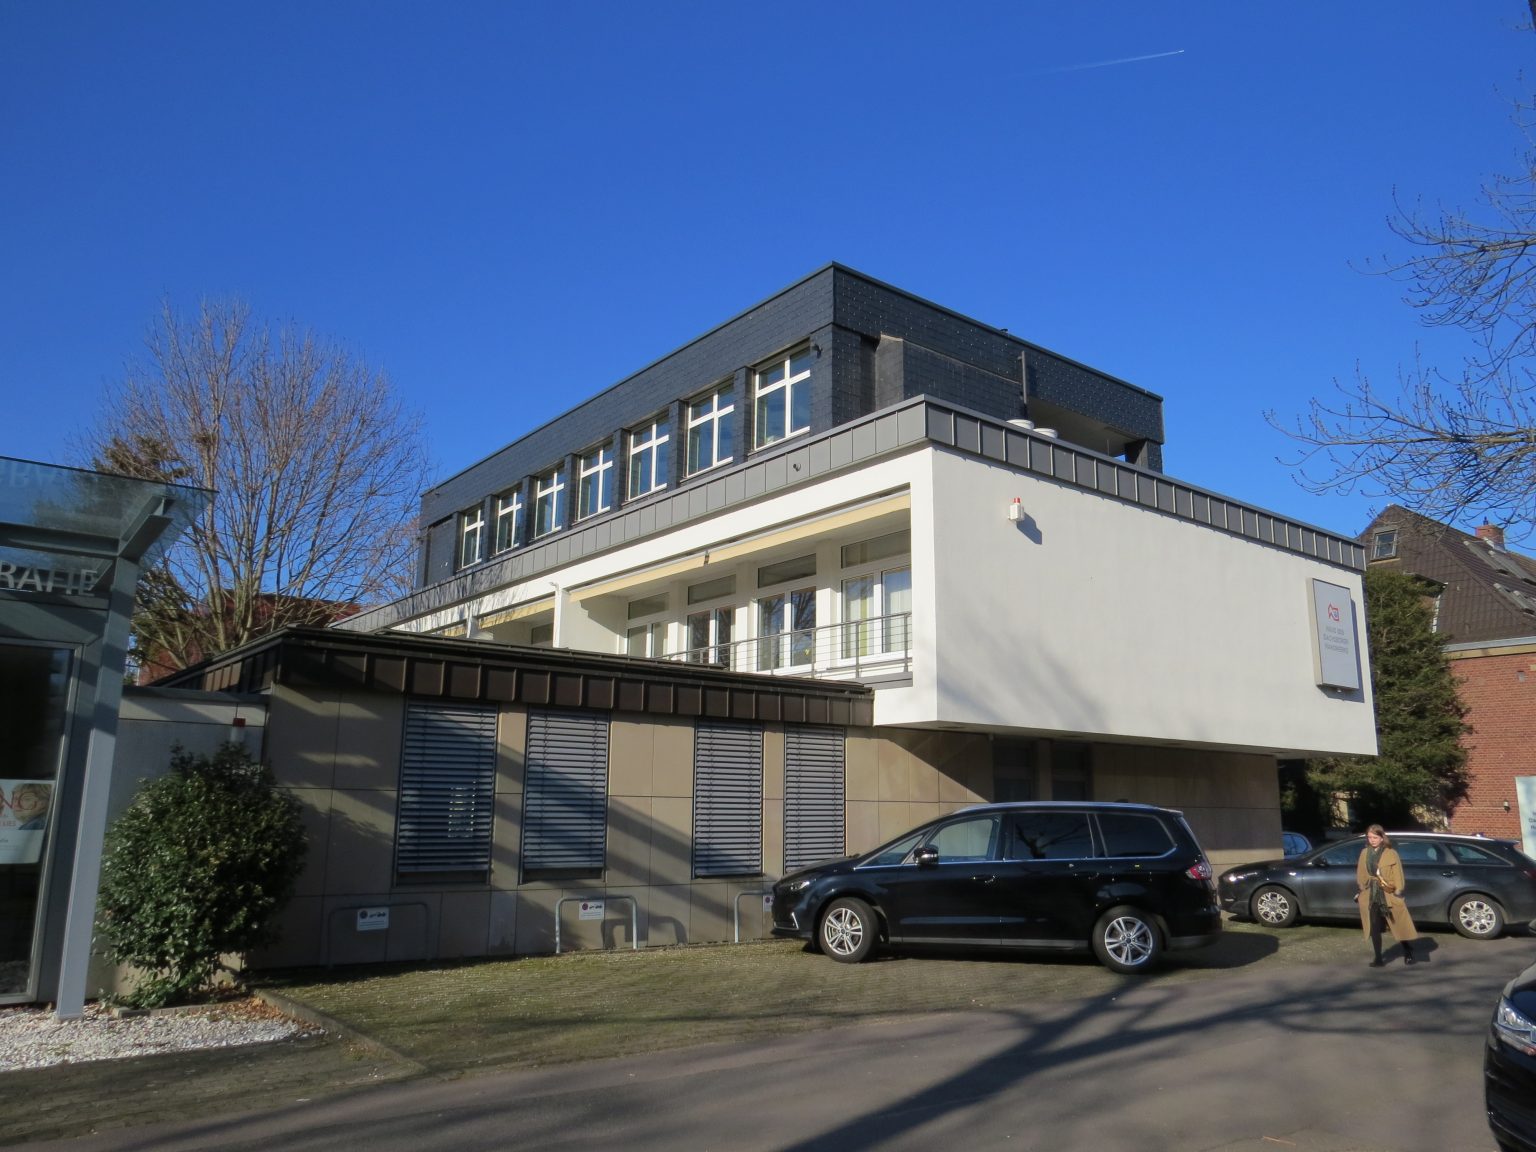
[335,1027]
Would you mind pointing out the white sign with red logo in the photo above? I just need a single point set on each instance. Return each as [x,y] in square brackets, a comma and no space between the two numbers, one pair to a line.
[1335,636]
[591,910]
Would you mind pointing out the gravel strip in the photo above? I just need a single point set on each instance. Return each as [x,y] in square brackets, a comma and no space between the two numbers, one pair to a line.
[35,1038]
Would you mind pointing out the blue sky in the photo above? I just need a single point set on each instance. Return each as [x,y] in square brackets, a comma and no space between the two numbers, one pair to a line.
[508,207]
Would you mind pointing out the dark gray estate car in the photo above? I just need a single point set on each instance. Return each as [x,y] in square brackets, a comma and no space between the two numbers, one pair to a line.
[1125,880]
[1474,884]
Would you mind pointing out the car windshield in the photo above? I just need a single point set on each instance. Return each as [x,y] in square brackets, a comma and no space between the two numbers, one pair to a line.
[896,851]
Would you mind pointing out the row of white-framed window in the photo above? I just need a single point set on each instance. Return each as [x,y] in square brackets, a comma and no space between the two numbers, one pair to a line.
[873,604]
[782,409]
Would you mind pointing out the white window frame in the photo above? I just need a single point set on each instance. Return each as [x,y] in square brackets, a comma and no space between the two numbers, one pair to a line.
[548,486]
[715,415]
[1384,544]
[647,451]
[776,650]
[509,507]
[883,636]
[717,648]
[594,488]
[648,640]
[781,395]
[471,535]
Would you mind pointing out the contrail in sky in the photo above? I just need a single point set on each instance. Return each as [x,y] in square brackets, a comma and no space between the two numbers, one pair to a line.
[1112,63]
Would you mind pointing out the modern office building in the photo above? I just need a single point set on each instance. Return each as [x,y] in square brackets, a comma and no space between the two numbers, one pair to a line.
[850,483]
[71,546]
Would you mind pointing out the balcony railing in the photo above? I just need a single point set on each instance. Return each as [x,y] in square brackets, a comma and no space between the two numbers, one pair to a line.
[880,646]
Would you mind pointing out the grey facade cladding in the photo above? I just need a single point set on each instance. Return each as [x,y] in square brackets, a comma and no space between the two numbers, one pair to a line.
[875,346]
[851,445]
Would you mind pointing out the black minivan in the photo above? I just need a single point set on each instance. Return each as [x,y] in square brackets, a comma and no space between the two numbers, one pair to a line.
[1124,880]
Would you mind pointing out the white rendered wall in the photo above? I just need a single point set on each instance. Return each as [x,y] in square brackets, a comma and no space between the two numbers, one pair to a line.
[1105,619]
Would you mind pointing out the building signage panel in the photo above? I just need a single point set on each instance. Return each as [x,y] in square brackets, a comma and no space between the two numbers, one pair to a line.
[372,919]
[1335,636]
[1525,794]
[591,910]
[24,808]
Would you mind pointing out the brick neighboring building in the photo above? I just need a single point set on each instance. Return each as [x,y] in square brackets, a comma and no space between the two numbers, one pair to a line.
[1486,610]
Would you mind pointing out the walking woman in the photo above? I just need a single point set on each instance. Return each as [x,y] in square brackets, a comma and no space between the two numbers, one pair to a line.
[1380,876]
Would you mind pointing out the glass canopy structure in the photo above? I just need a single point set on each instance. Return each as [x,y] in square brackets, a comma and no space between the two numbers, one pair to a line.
[72,545]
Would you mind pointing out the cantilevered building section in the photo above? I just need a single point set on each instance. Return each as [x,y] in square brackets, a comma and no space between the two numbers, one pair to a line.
[847,482]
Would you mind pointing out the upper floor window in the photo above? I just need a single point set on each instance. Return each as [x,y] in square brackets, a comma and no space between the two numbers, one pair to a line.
[509,520]
[1384,545]
[709,430]
[782,397]
[546,502]
[594,489]
[647,632]
[649,458]
[708,633]
[471,532]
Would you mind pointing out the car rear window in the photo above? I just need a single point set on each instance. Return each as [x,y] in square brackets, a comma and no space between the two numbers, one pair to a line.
[1130,834]
[1048,836]
[1472,854]
[1420,852]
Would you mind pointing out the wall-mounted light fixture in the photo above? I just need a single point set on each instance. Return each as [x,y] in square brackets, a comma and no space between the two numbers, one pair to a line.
[1506,805]
[1016,510]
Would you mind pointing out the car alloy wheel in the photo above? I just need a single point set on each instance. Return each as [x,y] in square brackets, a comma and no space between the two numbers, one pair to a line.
[1126,940]
[1477,918]
[1275,907]
[848,930]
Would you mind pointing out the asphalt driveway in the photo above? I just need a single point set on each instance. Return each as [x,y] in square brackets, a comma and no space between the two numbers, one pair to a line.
[1276,1050]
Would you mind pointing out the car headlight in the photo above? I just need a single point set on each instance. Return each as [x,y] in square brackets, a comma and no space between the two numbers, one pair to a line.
[794,886]
[1514,1029]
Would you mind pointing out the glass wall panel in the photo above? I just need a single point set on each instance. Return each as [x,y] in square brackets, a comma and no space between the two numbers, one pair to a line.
[34,707]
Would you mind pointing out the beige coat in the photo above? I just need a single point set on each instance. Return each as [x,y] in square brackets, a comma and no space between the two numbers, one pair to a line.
[1399,923]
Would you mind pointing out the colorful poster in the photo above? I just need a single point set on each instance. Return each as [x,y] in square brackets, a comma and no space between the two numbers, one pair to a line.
[24,808]
[1525,793]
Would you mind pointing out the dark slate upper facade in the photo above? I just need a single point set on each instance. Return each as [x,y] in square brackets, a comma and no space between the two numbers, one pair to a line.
[1487,592]
[873,346]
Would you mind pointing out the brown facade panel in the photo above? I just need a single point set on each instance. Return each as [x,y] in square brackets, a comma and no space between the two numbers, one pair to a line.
[568,690]
[768,710]
[690,700]
[426,678]
[661,698]
[717,703]
[794,709]
[464,681]
[816,710]
[350,668]
[743,706]
[389,673]
[601,692]
[500,685]
[630,697]
[536,687]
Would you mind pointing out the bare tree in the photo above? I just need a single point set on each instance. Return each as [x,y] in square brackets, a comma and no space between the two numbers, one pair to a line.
[1449,445]
[317,466]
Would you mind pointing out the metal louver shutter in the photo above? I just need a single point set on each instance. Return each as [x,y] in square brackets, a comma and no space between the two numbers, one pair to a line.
[813,795]
[447,789]
[565,791]
[727,800]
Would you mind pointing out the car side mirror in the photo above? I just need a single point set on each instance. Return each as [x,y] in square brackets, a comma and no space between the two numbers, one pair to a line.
[926,856]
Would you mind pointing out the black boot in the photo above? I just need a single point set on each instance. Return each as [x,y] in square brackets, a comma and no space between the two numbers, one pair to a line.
[1378,962]
[1408,953]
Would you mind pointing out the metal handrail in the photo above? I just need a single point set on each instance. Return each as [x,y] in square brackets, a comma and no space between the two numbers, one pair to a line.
[853,647]
[634,917]
[737,922]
